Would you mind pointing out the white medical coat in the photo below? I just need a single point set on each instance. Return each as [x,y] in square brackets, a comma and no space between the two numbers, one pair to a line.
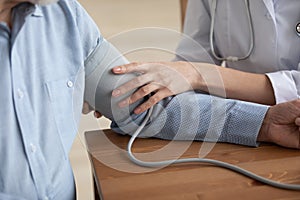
[276,44]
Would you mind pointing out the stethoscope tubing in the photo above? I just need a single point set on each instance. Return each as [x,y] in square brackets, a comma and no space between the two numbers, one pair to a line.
[211,36]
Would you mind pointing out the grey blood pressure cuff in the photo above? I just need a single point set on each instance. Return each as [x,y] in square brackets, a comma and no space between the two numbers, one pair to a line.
[100,82]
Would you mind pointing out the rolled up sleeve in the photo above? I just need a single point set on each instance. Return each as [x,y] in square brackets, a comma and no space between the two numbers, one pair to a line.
[285,85]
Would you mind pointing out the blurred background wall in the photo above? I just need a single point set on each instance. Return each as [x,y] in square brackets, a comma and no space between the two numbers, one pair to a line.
[126,23]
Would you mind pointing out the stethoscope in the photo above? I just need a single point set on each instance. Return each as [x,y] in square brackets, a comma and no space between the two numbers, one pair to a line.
[211,36]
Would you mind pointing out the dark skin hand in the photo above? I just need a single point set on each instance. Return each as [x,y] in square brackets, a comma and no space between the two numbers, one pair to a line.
[281,125]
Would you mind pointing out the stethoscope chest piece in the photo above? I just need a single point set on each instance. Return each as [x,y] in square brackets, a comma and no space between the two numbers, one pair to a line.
[298,29]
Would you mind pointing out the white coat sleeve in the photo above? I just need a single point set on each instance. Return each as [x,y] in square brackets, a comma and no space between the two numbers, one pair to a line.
[286,85]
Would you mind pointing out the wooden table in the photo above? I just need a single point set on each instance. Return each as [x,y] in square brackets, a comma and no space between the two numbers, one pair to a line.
[118,178]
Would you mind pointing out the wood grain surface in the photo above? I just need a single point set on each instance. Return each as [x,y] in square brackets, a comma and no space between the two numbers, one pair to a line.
[118,178]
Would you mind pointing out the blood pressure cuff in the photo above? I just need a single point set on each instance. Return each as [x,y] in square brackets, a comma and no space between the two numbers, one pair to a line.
[100,82]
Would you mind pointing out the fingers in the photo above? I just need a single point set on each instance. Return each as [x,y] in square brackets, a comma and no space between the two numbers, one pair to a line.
[97,115]
[128,68]
[161,94]
[297,121]
[130,85]
[141,93]
[86,108]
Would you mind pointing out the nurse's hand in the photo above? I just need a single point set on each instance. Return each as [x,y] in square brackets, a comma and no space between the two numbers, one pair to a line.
[281,125]
[162,79]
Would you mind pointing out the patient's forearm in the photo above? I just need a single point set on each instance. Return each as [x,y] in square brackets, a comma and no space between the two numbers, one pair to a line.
[196,116]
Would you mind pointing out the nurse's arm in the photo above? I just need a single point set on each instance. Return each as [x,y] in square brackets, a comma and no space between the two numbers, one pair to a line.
[236,84]
[163,79]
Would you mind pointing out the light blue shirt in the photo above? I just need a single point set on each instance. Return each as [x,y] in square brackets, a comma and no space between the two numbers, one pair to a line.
[42,83]
[45,60]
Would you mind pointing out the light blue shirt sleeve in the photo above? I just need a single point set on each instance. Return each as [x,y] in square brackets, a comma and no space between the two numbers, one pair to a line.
[196,116]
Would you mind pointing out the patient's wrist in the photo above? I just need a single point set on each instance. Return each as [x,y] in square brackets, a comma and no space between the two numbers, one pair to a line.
[264,133]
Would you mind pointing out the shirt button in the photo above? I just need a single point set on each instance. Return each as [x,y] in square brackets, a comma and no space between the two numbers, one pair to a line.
[20,94]
[46,198]
[70,84]
[32,148]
